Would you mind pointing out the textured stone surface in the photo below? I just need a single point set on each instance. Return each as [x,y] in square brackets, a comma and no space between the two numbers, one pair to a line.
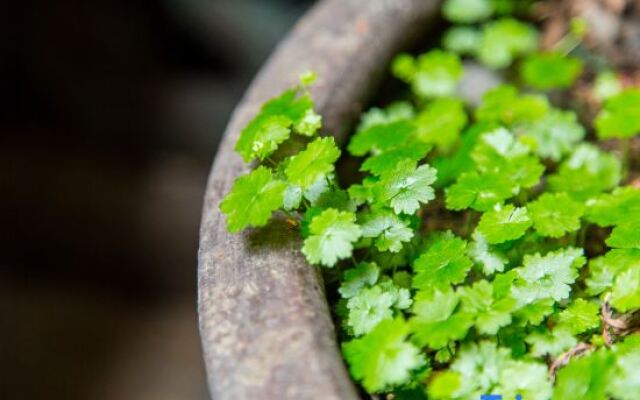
[265,325]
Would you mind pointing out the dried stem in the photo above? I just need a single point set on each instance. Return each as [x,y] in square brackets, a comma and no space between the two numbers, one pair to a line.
[579,350]
[619,325]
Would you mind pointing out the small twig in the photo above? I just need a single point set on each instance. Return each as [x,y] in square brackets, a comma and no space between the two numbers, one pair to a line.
[449,349]
[616,326]
[579,350]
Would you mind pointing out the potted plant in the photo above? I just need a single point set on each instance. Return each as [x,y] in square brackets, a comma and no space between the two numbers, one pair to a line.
[482,249]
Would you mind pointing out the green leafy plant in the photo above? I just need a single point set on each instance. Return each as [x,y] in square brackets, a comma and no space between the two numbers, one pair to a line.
[433,74]
[487,249]
[550,71]
[620,116]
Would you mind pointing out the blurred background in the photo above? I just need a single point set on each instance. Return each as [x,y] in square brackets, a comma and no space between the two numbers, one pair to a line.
[110,113]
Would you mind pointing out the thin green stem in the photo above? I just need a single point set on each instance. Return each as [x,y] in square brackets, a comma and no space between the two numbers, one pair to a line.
[271,162]
[468,222]
[329,182]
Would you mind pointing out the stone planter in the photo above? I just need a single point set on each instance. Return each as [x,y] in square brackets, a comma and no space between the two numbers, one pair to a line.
[264,320]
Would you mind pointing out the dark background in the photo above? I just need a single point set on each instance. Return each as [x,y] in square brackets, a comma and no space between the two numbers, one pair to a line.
[110,113]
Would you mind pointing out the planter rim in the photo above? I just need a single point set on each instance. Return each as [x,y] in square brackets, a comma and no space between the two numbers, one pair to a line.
[265,326]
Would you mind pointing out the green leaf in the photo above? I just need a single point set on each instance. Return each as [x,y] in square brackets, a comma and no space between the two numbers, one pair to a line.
[444,263]
[252,200]
[318,188]
[435,305]
[534,313]
[499,152]
[625,381]
[307,78]
[489,313]
[389,260]
[265,139]
[462,39]
[524,172]
[606,85]
[365,274]
[387,229]
[332,234]
[505,39]
[620,117]
[600,278]
[480,366]
[406,186]
[433,74]
[383,357]
[555,134]
[361,193]
[380,137]
[273,124]
[402,279]
[586,173]
[579,317]
[497,145]
[335,198]
[445,385]
[626,235]
[555,214]
[467,11]
[367,308]
[412,150]
[585,378]
[309,125]
[480,192]
[491,260]
[512,337]
[441,122]
[502,283]
[547,277]
[401,296]
[292,197]
[450,167]
[435,323]
[614,208]
[625,295]
[397,111]
[524,378]
[603,270]
[551,343]
[312,163]
[504,223]
[505,105]
[550,71]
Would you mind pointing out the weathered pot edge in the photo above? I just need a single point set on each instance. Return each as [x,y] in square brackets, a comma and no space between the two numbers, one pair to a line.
[264,322]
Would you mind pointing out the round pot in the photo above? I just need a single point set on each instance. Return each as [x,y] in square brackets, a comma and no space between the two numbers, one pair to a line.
[264,321]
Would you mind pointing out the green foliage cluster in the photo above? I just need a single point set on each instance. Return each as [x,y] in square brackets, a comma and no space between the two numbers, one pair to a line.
[480,247]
